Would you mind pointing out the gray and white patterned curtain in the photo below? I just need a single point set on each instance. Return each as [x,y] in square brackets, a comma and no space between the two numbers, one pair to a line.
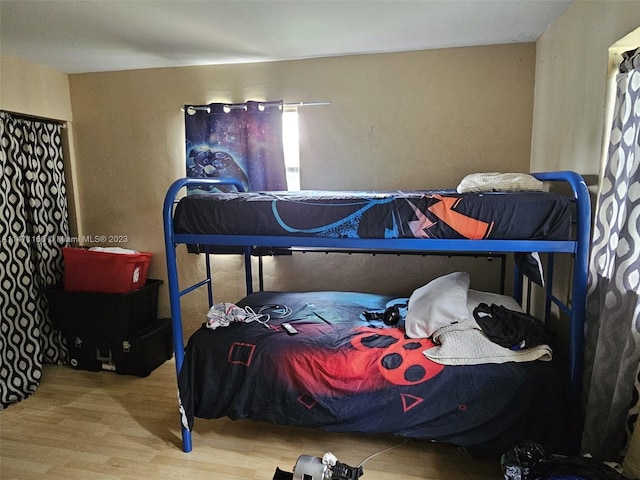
[33,229]
[612,350]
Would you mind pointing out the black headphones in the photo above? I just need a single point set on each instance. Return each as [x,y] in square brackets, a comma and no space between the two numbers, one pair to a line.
[391,316]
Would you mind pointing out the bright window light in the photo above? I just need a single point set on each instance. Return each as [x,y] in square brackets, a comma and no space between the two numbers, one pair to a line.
[291,145]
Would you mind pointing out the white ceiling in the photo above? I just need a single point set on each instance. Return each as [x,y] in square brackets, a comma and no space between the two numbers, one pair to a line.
[78,36]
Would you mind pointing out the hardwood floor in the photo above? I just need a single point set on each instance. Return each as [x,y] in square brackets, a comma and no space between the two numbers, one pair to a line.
[104,426]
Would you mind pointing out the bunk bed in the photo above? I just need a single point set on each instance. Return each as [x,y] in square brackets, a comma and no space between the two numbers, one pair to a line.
[303,391]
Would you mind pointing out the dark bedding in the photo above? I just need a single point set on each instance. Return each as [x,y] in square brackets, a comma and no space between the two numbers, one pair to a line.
[344,373]
[415,214]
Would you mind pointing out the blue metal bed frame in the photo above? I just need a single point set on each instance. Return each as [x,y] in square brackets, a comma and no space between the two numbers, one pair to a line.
[578,247]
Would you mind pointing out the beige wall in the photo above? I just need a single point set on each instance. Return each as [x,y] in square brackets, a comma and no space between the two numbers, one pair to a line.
[397,121]
[35,90]
[572,69]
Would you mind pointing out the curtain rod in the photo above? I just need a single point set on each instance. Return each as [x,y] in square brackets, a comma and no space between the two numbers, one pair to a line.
[305,104]
[25,116]
[191,109]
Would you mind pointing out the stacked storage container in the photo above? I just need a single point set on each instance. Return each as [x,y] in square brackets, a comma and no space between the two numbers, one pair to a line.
[107,310]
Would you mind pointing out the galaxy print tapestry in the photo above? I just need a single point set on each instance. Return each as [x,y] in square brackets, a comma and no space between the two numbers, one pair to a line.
[240,141]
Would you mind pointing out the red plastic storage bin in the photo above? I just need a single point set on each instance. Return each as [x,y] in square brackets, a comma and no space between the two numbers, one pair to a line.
[96,271]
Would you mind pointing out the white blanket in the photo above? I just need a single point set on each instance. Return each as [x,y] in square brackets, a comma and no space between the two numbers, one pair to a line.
[499,182]
[465,343]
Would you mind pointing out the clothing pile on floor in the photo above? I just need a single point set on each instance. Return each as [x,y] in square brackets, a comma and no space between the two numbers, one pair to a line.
[529,461]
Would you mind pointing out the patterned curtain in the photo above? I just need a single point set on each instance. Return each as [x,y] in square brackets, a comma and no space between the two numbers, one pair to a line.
[612,350]
[241,141]
[33,227]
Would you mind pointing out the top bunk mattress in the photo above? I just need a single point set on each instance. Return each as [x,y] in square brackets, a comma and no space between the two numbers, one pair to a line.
[442,214]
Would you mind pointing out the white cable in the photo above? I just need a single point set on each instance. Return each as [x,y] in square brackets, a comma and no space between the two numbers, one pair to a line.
[252,316]
[381,451]
[277,311]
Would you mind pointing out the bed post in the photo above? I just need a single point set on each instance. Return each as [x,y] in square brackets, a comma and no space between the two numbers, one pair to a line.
[580,270]
[248,272]
[172,273]
[581,276]
[174,291]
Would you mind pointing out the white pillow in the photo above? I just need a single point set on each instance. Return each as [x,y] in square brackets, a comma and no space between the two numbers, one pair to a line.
[499,182]
[440,302]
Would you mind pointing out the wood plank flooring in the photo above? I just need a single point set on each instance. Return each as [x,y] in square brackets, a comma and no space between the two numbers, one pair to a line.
[104,426]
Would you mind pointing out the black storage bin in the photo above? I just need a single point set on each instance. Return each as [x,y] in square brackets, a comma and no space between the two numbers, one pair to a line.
[137,354]
[110,316]
[84,353]
[142,353]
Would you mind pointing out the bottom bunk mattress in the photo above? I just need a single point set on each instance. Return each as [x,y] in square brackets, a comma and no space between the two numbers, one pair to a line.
[344,373]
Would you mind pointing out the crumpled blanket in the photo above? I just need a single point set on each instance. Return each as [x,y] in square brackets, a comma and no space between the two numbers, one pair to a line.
[499,182]
[465,343]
